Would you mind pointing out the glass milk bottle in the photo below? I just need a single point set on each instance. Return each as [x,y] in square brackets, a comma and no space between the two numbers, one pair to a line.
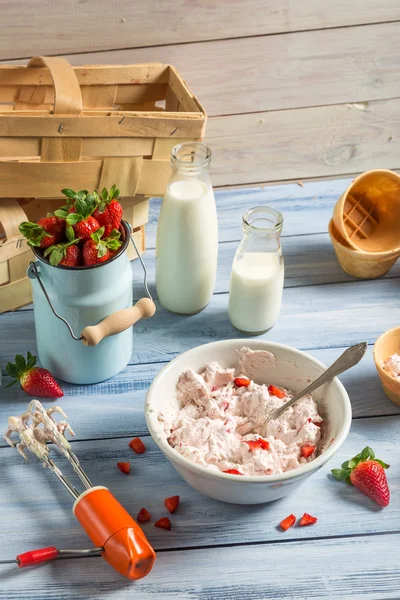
[187,233]
[257,275]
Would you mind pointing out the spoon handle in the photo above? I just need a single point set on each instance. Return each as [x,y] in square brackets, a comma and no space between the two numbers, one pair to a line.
[348,359]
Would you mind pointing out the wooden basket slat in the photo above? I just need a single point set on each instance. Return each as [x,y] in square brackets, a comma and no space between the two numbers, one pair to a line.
[31,147]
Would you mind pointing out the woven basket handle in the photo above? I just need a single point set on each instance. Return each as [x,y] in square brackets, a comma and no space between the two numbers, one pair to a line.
[67,91]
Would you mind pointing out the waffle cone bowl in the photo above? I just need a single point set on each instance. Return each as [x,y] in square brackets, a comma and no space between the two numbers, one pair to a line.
[385,346]
[364,265]
[367,215]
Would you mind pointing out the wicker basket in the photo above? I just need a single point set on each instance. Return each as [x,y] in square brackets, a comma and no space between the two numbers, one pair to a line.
[84,128]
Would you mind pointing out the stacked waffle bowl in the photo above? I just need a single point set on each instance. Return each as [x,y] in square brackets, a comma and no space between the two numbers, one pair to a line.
[365,227]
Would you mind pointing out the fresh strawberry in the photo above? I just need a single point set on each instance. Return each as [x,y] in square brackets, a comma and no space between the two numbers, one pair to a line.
[143,516]
[124,467]
[85,228]
[241,381]
[137,445]
[307,450]
[233,472]
[366,473]
[274,391]
[259,443]
[97,249]
[288,522]
[307,519]
[109,211]
[81,220]
[163,523]
[34,380]
[46,232]
[171,504]
[67,254]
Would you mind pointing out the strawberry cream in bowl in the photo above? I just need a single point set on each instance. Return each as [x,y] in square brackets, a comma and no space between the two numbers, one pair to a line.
[201,405]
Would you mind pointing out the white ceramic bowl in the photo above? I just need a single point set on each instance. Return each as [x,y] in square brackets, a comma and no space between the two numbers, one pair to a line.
[293,371]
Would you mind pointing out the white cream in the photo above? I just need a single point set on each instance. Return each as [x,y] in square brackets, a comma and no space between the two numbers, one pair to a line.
[187,246]
[256,287]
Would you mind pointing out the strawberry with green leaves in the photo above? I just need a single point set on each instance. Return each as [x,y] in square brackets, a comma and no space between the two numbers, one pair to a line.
[98,249]
[35,381]
[67,254]
[109,211]
[46,232]
[366,473]
[82,221]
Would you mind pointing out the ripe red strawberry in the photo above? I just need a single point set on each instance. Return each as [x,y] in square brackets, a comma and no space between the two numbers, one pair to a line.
[84,229]
[97,249]
[274,391]
[46,232]
[143,516]
[366,473]
[307,519]
[255,444]
[109,211]
[34,380]
[81,219]
[67,254]
[241,381]
[171,504]
[163,523]
[307,450]
[233,472]
[124,467]
[137,445]
[288,522]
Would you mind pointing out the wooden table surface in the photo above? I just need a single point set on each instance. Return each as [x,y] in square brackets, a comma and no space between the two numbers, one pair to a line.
[217,551]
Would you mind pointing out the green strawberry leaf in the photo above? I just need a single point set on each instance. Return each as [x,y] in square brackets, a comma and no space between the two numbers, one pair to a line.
[69,233]
[101,250]
[116,194]
[353,462]
[12,370]
[114,235]
[340,474]
[367,454]
[113,244]
[69,193]
[101,231]
[104,194]
[31,361]
[81,206]
[383,464]
[49,250]
[63,214]
[112,191]
[20,362]
[73,219]
[56,256]
[10,384]
[82,194]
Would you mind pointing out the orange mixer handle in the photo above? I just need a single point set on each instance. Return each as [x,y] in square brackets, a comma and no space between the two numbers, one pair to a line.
[110,526]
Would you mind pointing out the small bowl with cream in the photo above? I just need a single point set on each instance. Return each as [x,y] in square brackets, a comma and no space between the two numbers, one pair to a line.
[387,362]
[199,406]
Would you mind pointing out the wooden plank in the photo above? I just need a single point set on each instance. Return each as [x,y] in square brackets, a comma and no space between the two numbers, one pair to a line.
[29,147]
[308,142]
[279,72]
[25,30]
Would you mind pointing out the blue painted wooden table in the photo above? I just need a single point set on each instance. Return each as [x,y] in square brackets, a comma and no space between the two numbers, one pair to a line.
[219,551]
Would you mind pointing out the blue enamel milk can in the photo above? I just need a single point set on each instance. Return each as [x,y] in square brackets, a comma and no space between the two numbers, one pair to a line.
[84,315]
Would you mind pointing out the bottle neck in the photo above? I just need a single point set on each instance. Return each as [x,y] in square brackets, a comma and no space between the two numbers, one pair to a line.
[190,159]
[262,227]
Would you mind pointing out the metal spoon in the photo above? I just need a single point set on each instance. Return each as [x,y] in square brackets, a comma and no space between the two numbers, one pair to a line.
[348,359]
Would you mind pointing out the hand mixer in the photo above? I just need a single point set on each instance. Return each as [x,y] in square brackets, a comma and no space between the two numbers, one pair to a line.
[116,536]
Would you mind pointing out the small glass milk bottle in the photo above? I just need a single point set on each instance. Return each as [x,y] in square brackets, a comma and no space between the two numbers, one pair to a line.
[187,233]
[257,275]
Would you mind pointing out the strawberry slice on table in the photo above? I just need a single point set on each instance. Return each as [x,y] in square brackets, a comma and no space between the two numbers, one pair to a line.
[35,381]
[109,211]
[233,472]
[163,523]
[98,249]
[46,232]
[124,467]
[307,519]
[366,473]
[307,450]
[137,445]
[241,381]
[171,504]
[288,522]
[143,516]
[274,391]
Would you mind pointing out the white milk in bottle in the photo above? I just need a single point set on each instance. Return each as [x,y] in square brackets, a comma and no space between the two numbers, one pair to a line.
[257,275]
[187,233]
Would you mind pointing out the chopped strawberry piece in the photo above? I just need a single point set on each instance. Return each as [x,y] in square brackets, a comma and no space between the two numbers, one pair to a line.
[224,406]
[274,391]
[163,523]
[306,451]
[143,516]
[124,467]
[318,423]
[264,444]
[307,519]
[233,472]
[288,522]
[241,381]
[259,443]
[171,504]
[137,445]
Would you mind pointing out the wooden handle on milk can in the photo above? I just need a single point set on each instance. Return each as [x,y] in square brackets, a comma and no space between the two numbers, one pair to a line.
[118,322]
